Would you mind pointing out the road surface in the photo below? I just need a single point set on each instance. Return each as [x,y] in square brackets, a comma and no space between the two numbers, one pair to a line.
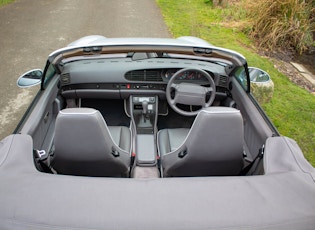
[30,30]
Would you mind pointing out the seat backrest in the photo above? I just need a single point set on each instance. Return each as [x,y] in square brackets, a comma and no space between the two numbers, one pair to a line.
[213,146]
[84,145]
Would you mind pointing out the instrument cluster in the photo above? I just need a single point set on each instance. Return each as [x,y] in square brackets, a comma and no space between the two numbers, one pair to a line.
[185,76]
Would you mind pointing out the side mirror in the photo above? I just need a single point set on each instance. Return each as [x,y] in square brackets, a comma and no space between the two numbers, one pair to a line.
[30,78]
[261,85]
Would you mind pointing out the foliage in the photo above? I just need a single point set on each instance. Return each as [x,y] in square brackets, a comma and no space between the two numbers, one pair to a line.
[262,91]
[222,3]
[282,23]
[291,109]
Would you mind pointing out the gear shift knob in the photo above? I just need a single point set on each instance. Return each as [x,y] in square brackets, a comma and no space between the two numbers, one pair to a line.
[145,107]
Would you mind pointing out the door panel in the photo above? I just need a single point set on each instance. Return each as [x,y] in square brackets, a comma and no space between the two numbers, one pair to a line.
[256,130]
[40,122]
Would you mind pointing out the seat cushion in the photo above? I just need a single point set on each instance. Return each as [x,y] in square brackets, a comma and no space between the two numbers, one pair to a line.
[121,136]
[171,139]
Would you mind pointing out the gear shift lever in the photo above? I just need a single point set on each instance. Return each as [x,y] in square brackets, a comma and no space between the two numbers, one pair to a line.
[145,108]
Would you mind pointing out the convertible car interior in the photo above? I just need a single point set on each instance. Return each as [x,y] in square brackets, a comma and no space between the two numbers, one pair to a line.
[145,133]
[149,115]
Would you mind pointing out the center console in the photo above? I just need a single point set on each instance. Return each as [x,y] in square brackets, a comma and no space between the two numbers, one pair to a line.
[144,113]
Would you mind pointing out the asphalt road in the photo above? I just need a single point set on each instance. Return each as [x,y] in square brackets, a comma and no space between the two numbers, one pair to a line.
[30,30]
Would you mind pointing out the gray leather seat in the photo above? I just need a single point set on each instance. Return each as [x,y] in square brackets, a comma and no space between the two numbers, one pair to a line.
[212,147]
[86,146]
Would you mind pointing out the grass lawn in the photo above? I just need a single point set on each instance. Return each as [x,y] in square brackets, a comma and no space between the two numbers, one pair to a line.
[292,109]
[3,2]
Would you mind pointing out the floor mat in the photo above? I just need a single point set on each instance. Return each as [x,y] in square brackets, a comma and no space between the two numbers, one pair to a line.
[112,110]
[174,120]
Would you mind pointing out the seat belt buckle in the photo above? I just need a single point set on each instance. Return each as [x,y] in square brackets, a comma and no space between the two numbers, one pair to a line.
[158,160]
[132,159]
[261,151]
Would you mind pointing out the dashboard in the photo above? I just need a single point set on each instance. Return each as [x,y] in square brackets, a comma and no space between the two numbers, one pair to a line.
[122,78]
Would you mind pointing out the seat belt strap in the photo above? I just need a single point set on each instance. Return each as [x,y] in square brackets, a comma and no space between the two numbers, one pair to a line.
[132,163]
[251,168]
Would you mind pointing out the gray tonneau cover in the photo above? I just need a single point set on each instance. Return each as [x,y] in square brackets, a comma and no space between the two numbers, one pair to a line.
[33,200]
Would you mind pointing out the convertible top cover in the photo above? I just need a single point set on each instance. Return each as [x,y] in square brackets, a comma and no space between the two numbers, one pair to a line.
[281,199]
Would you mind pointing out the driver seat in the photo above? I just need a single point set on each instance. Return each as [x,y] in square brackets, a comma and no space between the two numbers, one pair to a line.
[213,146]
[86,146]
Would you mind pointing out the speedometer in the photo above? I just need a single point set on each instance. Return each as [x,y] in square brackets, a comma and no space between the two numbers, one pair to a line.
[169,73]
[188,76]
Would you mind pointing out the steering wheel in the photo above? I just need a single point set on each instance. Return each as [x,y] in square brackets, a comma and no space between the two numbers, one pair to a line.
[187,93]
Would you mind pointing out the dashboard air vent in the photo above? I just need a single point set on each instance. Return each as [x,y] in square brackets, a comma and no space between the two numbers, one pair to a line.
[65,78]
[223,81]
[144,75]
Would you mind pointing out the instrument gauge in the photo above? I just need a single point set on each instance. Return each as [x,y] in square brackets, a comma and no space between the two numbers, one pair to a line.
[169,73]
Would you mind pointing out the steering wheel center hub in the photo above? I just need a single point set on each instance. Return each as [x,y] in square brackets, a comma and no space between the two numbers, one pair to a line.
[191,94]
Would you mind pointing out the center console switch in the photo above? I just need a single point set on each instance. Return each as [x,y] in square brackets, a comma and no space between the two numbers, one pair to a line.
[140,101]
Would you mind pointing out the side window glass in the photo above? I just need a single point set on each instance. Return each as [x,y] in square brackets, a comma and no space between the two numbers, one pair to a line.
[241,77]
[49,74]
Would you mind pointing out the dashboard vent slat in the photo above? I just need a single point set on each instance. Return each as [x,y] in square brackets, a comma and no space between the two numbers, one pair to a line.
[223,81]
[144,75]
[65,78]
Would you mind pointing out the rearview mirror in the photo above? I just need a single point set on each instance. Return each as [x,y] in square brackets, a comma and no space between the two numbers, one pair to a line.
[261,85]
[30,78]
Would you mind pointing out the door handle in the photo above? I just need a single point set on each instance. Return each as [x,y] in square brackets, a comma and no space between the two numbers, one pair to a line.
[46,117]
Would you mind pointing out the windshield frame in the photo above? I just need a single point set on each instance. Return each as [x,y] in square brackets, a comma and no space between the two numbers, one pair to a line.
[152,49]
